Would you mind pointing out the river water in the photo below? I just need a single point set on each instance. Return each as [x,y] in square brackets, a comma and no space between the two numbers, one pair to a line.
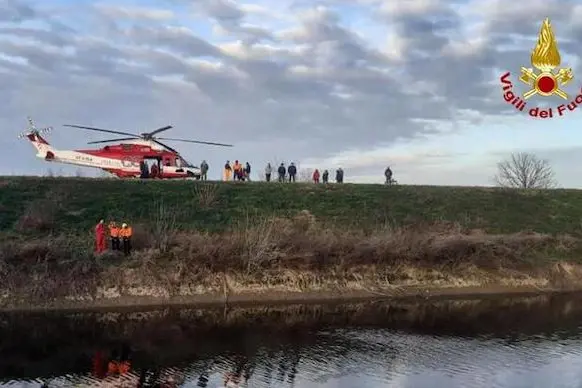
[517,342]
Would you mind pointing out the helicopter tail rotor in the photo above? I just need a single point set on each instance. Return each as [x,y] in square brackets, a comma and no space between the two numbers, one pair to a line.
[33,130]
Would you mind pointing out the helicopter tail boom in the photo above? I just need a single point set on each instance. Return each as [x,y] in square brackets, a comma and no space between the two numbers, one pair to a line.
[34,135]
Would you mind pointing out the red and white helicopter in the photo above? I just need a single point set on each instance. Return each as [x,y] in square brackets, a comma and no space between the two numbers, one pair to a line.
[125,160]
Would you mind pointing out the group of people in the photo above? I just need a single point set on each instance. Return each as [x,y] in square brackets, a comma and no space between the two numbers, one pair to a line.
[282,172]
[237,171]
[339,176]
[120,237]
[148,172]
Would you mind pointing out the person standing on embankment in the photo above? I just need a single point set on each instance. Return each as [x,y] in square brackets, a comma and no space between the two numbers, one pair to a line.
[227,171]
[282,171]
[114,235]
[238,171]
[204,170]
[125,233]
[100,237]
[268,171]
[292,171]
[315,176]
[247,171]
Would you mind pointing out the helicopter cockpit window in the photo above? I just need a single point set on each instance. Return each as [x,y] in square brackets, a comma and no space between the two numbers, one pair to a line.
[178,162]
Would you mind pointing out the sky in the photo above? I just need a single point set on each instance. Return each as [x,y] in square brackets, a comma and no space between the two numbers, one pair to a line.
[358,84]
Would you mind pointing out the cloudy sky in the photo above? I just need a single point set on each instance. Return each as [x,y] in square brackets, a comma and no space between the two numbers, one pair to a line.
[359,84]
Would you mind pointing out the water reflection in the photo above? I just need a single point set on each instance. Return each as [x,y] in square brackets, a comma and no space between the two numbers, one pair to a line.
[524,342]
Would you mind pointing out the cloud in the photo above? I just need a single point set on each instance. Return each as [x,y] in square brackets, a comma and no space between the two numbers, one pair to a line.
[133,12]
[16,11]
[330,82]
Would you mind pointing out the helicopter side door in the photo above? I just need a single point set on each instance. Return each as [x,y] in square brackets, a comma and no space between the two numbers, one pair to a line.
[178,163]
[172,168]
[153,166]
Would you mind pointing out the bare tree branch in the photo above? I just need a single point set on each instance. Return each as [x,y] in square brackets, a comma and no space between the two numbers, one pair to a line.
[526,171]
[305,175]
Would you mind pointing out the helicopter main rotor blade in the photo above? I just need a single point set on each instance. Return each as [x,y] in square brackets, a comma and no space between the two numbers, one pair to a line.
[196,141]
[162,129]
[164,145]
[102,130]
[113,140]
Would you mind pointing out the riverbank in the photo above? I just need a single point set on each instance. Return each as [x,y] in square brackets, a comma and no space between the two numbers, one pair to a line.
[283,259]
[215,242]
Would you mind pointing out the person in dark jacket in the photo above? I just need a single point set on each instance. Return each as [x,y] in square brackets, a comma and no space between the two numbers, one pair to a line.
[248,171]
[339,175]
[325,176]
[292,170]
[388,175]
[268,171]
[204,170]
[282,171]
[144,171]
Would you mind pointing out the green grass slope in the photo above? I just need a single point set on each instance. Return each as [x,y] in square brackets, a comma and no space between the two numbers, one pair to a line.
[75,204]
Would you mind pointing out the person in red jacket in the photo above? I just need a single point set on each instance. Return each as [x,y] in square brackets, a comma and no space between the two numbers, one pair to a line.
[316,176]
[100,237]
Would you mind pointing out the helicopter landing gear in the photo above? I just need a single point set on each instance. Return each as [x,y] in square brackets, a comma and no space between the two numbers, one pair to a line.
[191,175]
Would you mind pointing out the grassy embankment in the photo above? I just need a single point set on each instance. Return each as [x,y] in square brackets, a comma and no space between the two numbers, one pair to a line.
[209,241]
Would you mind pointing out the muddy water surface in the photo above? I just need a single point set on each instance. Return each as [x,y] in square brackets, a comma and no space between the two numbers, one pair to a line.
[518,342]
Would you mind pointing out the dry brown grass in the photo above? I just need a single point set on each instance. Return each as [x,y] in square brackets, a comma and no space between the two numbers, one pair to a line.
[302,243]
[287,254]
[39,216]
[206,195]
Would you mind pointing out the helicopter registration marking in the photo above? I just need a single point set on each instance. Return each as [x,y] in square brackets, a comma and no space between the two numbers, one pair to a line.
[129,163]
[84,158]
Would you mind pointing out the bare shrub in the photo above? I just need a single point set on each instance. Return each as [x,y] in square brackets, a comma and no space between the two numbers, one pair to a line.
[302,243]
[305,174]
[142,237]
[56,263]
[163,226]
[206,194]
[40,215]
[257,242]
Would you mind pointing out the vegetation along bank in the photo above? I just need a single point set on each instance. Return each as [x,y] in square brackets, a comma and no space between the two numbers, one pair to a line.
[211,242]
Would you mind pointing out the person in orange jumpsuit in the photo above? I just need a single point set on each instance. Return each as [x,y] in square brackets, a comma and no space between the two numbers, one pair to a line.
[114,235]
[237,168]
[125,233]
[100,237]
